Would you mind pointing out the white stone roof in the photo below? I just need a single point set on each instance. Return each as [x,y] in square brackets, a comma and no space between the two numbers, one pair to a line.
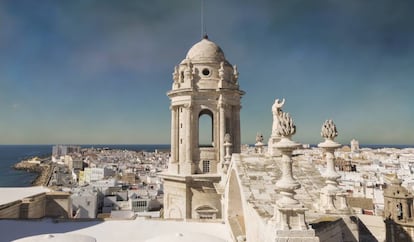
[11,194]
[259,173]
[137,230]
[186,237]
[58,238]
[206,50]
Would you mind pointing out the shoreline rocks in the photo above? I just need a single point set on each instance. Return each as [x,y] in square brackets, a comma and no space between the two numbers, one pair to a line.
[43,171]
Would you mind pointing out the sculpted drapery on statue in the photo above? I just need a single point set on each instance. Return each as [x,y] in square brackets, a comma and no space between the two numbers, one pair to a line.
[275,137]
[277,111]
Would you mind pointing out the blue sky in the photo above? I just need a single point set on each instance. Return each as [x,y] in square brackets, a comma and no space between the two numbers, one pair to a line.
[97,71]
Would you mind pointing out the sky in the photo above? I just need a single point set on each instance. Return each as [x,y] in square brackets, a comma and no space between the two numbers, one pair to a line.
[97,71]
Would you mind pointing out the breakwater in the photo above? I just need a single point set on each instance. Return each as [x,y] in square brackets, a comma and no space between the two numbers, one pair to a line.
[43,171]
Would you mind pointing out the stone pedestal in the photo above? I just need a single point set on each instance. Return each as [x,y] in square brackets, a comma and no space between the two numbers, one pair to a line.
[272,150]
[259,147]
[289,214]
[227,154]
[332,198]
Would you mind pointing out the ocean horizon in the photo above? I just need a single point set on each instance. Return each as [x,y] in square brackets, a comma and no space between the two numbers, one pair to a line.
[12,154]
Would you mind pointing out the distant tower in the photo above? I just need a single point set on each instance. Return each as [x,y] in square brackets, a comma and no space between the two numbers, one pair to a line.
[205,86]
[354,146]
[398,211]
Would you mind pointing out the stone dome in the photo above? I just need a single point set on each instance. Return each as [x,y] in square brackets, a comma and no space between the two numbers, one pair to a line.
[186,237]
[58,238]
[206,50]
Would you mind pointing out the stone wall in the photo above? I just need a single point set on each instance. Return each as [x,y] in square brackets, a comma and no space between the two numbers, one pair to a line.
[54,205]
[10,210]
[33,207]
[58,205]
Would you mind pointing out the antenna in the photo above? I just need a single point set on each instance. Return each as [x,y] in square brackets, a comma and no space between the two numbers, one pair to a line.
[203,26]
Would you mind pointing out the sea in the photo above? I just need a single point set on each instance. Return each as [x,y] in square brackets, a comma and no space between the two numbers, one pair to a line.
[12,154]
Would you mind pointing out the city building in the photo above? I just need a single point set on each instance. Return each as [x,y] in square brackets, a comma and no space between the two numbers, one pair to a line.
[62,150]
[85,203]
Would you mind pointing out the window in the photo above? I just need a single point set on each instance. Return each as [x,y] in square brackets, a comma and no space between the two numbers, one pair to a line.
[205,128]
[205,72]
[206,166]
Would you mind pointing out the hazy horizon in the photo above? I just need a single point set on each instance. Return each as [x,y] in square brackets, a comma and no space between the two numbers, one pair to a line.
[98,71]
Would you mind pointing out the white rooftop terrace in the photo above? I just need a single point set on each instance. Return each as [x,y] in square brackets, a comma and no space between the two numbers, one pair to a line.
[118,230]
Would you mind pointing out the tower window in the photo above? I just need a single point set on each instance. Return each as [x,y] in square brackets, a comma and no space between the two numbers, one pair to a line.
[206,166]
[205,72]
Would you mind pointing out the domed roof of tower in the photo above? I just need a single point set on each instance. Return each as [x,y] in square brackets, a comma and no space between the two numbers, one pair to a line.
[206,50]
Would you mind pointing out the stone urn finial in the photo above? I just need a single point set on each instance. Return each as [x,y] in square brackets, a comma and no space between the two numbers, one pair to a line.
[329,130]
[227,138]
[259,138]
[286,127]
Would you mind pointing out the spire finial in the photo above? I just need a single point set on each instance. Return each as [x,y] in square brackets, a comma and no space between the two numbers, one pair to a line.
[203,26]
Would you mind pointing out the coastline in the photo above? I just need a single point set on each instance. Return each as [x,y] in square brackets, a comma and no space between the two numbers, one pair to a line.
[43,171]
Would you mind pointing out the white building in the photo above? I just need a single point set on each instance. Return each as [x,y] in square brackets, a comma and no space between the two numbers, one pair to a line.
[85,203]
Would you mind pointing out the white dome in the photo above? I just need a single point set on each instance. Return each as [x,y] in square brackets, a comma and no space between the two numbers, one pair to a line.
[57,237]
[186,237]
[206,50]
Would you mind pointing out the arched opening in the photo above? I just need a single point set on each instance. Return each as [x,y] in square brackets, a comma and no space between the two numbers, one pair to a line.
[175,212]
[206,212]
[235,212]
[205,128]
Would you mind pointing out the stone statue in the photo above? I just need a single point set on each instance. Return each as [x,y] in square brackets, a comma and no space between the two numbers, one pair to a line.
[277,111]
[188,73]
[329,130]
[175,74]
[221,70]
[286,127]
[235,73]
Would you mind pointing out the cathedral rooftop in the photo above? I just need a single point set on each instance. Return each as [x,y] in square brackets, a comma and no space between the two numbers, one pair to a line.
[259,173]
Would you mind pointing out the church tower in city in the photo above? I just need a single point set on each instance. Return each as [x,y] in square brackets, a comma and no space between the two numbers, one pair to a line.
[205,87]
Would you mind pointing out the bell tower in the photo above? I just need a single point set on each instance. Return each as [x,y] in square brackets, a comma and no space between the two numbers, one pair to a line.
[205,86]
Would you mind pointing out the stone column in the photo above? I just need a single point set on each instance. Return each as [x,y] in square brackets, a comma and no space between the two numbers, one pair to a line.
[236,129]
[222,128]
[188,164]
[331,191]
[173,166]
